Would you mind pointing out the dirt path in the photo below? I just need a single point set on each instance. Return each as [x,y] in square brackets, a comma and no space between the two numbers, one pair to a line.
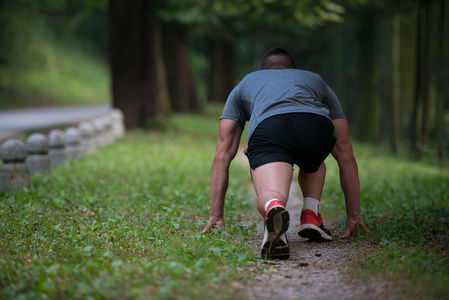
[314,270]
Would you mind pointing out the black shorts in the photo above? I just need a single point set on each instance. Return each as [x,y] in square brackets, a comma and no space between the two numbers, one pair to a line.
[303,139]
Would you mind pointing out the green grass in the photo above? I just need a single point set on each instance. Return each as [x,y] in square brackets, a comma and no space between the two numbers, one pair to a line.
[405,205]
[60,76]
[125,223]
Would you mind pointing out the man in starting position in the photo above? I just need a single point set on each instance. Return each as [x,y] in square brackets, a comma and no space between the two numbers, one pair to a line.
[294,118]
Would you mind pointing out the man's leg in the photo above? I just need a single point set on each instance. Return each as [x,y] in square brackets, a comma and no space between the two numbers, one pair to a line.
[272,184]
[272,181]
[312,225]
[312,183]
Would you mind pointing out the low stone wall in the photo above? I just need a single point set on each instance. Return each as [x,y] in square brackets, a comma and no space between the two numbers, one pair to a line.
[58,147]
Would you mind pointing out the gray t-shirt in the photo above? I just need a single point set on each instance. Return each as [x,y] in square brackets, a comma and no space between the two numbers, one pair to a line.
[270,92]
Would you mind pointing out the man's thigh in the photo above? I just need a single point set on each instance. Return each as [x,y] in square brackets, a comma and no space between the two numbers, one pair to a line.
[276,176]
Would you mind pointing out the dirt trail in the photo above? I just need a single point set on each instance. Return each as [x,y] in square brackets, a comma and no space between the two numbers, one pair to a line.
[314,270]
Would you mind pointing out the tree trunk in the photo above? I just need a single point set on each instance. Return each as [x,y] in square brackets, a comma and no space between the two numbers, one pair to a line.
[179,70]
[222,70]
[339,62]
[385,80]
[368,110]
[159,76]
[139,85]
[420,78]
[353,82]
[428,78]
[444,80]
[396,80]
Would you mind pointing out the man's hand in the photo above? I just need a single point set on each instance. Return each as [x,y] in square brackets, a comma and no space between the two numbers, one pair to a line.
[213,223]
[229,133]
[352,224]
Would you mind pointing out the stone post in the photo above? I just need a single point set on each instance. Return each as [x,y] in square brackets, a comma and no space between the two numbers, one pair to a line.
[119,123]
[57,153]
[99,132]
[107,129]
[87,137]
[37,160]
[73,143]
[14,172]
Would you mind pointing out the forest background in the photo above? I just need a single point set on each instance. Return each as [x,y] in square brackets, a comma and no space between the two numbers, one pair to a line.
[387,61]
[79,234]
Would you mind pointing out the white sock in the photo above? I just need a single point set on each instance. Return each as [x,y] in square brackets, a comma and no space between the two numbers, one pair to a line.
[269,202]
[312,204]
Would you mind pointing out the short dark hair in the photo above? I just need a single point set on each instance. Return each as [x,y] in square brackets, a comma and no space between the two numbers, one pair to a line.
[277,58]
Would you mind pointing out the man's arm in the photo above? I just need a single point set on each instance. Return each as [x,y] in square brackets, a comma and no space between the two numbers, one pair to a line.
[349,176]
[229,134]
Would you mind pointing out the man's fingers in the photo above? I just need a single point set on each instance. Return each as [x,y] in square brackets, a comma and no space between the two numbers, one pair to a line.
[207,229]
[213,223]
[350,231]
[209,226]
[361,224]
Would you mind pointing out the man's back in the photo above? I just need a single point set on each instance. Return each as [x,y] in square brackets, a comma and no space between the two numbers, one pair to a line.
[266,93]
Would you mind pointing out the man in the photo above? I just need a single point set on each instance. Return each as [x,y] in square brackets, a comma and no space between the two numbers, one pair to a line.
[294,118]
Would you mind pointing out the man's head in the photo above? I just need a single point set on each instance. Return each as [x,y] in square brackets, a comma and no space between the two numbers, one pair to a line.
[277,58]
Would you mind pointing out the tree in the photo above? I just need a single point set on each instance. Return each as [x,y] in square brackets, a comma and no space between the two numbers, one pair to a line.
[223,71]
[180,77]
[368,112]
[395,66]
[266,23]
[139,82]
[140,77]
[442,106]
[396,83]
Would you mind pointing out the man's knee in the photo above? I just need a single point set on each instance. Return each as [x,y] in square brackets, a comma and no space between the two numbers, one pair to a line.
[272,194]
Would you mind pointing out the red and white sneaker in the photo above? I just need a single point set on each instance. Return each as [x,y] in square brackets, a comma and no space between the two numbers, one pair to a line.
[275,244]
[312,227]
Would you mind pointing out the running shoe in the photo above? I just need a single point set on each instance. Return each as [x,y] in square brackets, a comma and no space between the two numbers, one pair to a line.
[312,227]
[275,244]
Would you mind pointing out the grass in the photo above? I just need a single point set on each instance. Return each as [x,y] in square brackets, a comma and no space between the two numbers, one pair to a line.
[405,206]
[62,76]
[125,223]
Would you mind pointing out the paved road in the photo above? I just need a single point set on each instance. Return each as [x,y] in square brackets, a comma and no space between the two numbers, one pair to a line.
[16,122]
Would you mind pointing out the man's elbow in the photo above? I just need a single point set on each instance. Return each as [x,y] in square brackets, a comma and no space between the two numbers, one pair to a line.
[347,161]
[344,158]
[221,161]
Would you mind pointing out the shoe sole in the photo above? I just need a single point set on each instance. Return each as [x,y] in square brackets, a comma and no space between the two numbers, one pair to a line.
[314,233]
[277,223]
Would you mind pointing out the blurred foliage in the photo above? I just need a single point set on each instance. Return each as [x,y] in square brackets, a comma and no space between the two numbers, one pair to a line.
[343,40]
[26,27]
[68,77]
[29,30]
[385,5]
[237,18]
[53,52]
